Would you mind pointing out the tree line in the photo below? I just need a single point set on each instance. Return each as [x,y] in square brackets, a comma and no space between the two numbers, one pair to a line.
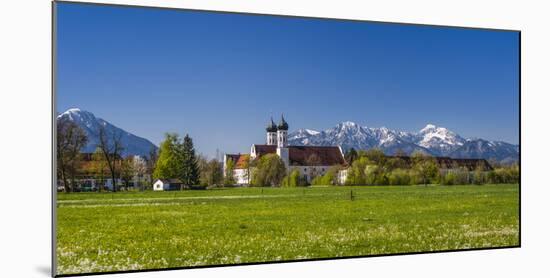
[372,167]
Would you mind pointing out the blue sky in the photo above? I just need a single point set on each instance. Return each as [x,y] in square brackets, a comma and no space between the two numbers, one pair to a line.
[219,77]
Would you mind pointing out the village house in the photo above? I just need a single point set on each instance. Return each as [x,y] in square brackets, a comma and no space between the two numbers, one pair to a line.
[310,161]
[93,175]
[167,184]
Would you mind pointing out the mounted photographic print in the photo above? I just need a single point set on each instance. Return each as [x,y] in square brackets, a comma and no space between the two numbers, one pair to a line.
[187,138]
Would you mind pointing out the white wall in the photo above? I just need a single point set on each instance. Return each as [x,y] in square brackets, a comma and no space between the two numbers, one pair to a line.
[310,172]
[241,176]
[158,185]
[25,114]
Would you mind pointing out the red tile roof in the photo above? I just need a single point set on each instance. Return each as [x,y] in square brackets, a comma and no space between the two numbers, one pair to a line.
[265,149]
[315,156]
[239,159]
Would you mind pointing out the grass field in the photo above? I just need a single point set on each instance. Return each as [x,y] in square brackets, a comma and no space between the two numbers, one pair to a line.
[129,231]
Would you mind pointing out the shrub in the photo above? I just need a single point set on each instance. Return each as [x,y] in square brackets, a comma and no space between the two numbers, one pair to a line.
[450,178]
[399,177]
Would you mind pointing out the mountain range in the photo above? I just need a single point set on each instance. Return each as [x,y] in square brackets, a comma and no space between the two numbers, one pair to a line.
[133,145]
[433,140]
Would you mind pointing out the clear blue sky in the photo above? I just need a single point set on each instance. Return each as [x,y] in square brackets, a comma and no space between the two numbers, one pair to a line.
[219,77]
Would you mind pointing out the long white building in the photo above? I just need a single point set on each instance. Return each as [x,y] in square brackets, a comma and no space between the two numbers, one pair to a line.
[310,161]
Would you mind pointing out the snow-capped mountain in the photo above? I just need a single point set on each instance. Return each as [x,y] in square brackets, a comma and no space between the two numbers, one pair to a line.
[133,145]
[479,148]
[437,141]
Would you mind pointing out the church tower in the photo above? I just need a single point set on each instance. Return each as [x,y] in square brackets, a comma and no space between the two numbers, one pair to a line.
[271,133]
[282,141]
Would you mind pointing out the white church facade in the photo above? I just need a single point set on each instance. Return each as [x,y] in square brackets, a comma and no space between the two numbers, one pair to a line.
[310,161]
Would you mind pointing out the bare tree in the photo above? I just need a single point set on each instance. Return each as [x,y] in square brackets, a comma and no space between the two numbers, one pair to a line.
[151,163]
[140,170]
[111,147]
[127,171]
[313,160]
[70,140]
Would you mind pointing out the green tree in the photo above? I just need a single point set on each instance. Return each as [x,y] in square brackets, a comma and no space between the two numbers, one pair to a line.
[292,180]
[356,173]
[425,167]
[449,178]
[270,171]
[329,178]
[350,156]
[202,162]
[215,176]
[168,162]
[210,172]
[189,174]
[479,174]
[372,173]
[399,177]
[376,156]
[229,178]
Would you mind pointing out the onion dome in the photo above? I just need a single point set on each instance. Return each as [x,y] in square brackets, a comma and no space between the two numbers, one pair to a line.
[271,127]
[282,124]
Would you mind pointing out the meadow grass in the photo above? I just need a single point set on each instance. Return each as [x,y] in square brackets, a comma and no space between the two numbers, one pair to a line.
[138,230]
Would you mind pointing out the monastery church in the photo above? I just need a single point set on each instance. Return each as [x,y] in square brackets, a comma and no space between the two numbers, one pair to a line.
[310,161]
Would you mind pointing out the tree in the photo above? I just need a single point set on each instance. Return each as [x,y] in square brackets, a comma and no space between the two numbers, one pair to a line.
[215,174]
[247,165]
[399,177]
[356,173]
[202,162]
[374,175]
[210,171]
[139,165]
[190,172]
[395,163]
[110,144]
[329,178]
[449,178]
[150,164]
[99,168]
[292,180]
[70,140]
[376,156]
[425,167]
[479,174]
[229,179]
[350,156]
[313,160]
[269,171]
[168,163]
[127,171]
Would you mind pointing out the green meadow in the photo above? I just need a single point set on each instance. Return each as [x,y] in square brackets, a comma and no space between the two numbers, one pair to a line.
[120,231]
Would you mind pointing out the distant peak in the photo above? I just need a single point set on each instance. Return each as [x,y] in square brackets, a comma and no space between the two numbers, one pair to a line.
[348,123]
[430,126]
[311,131]
[73,110]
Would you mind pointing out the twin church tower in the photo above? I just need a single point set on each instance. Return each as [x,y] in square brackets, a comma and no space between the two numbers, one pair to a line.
[277,135]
